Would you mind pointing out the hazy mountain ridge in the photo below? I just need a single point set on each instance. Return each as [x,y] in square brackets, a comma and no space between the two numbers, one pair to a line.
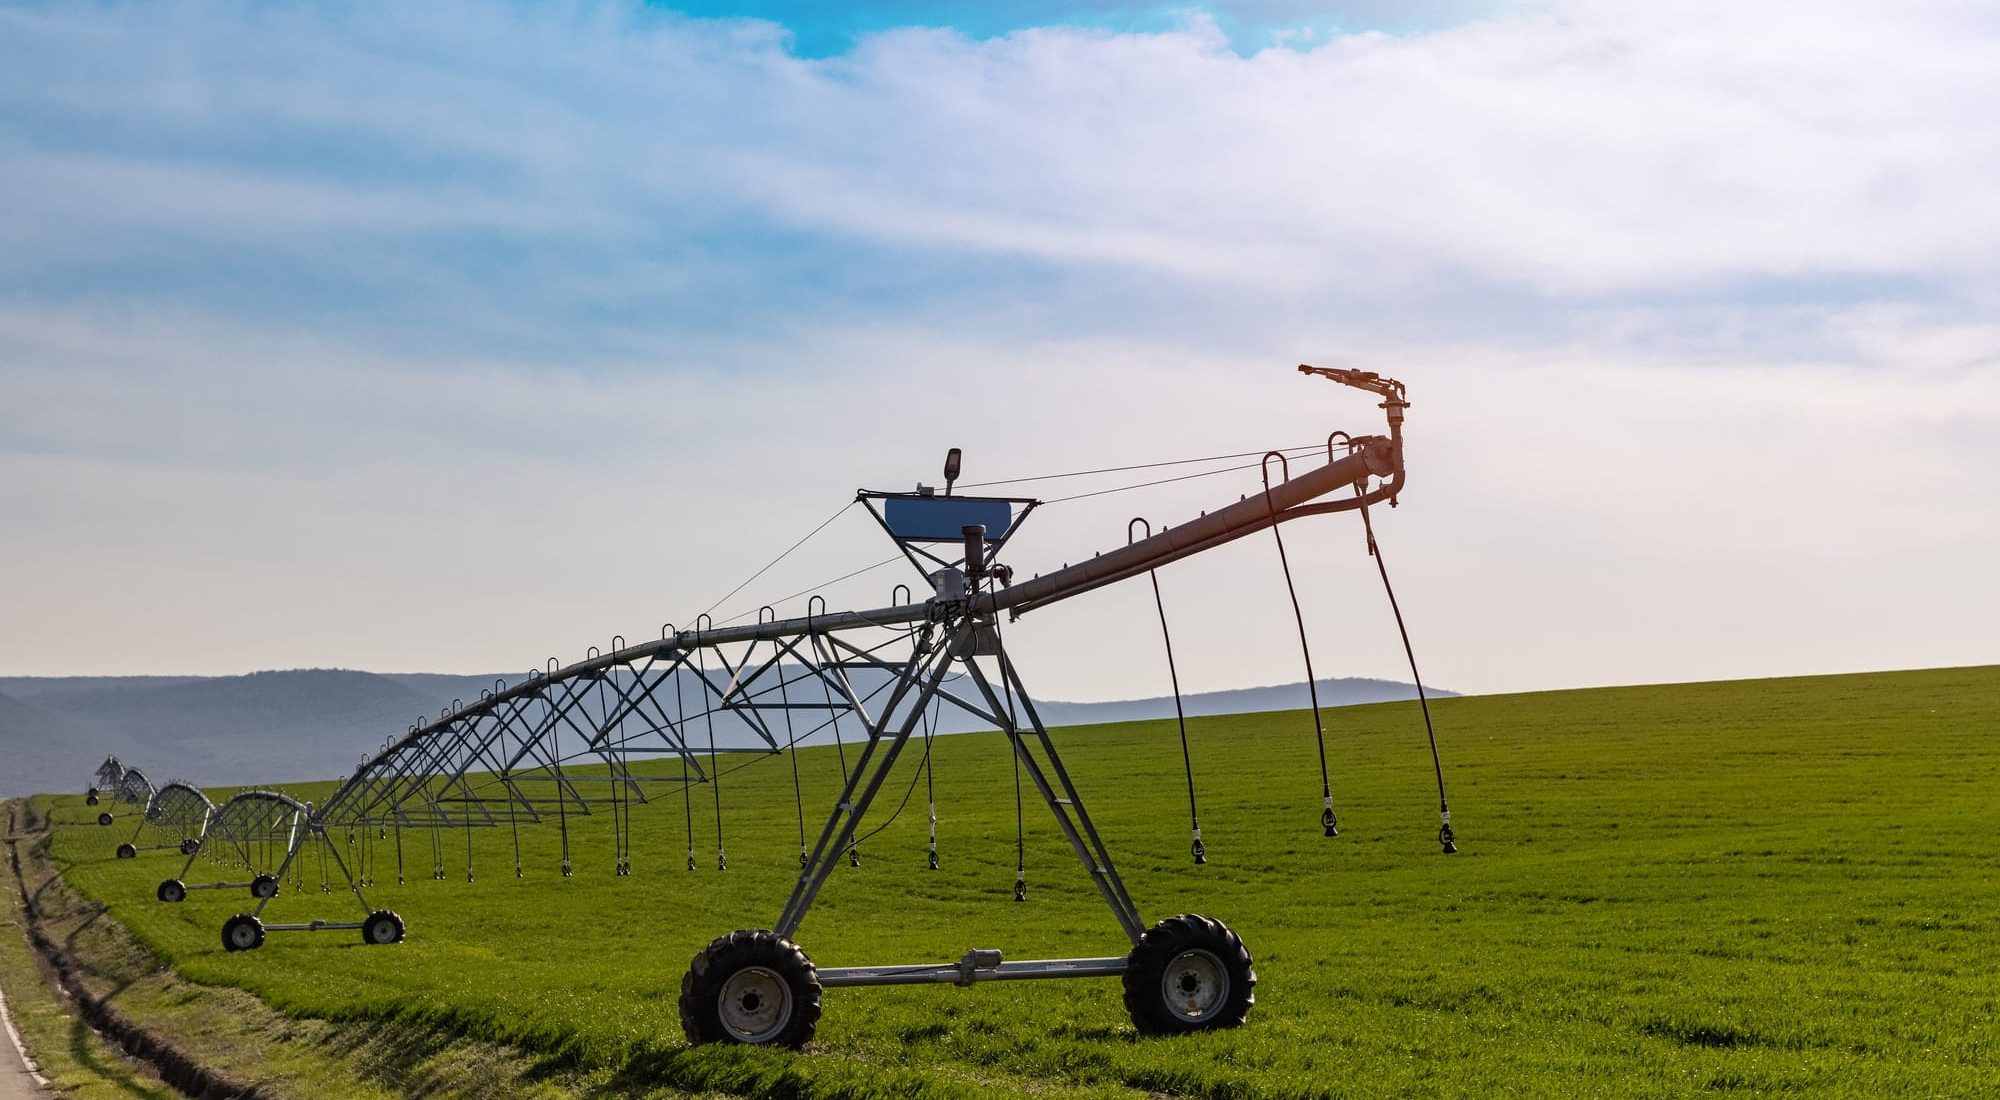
[298,724]
[38,688]
[43,750]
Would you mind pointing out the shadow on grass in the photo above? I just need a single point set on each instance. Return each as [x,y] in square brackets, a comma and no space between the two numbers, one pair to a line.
[87,1049]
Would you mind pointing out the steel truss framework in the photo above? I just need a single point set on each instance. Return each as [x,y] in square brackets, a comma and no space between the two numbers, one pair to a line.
[516,755]
[256,833]
[176,819]
[104,779]
[131,788]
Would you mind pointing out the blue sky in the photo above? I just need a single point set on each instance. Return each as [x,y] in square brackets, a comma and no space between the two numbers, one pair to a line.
[322,323]
[823,29]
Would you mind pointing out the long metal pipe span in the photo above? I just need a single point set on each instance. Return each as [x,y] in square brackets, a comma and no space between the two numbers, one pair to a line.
[1368,456]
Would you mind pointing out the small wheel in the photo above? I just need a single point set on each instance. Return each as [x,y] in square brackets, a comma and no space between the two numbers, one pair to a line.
[126,851]
[751,987]
[91,798]
[105,818]
[171,891]
[190,846]
[1189,973]
[242,932]
[382,927]
[264,886]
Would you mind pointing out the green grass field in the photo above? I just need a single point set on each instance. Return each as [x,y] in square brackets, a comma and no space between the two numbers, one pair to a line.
[1770,886]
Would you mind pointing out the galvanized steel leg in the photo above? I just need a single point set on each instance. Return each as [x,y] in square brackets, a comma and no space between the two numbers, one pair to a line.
[844,821]
[1067,807]
[291,853]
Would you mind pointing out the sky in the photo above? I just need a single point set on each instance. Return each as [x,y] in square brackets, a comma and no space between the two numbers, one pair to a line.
[456,336]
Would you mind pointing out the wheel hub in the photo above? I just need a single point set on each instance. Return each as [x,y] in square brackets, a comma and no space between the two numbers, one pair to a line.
[1195,986]
[755,1004]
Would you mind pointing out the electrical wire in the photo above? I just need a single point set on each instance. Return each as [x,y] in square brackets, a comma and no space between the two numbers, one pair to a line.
[1127,469]
[1015,743]
[760,757]
[813,589]
[1150,484]
[907,792]
[930,780]
[768,566]
[1013,481]
[840,747]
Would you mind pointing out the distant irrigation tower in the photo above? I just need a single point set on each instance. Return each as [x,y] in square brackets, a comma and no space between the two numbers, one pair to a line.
[131,788]
[176,819]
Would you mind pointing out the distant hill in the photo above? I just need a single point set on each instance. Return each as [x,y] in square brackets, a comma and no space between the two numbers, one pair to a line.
[36,689]
[43,750]
[1333,692]
[271,727]
[225,730]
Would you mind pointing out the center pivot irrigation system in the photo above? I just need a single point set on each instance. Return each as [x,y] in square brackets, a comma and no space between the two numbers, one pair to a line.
[563,742]
[130,787]
[105,778]
[176,819]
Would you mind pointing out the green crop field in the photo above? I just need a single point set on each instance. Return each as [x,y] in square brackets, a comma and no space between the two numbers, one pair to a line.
[1772,886]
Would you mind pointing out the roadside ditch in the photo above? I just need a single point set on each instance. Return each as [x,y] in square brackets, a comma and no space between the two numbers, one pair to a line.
[220,1043]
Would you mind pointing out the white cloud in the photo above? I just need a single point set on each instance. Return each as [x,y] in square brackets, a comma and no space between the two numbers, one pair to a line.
[1585,150]
[433,336]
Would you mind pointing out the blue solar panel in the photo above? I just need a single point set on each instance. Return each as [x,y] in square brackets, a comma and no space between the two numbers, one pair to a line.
[943,519]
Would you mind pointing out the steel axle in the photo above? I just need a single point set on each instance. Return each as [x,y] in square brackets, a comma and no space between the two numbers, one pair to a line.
[977,965]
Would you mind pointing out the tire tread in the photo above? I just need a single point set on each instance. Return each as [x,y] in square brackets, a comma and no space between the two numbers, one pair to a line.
[1158,947]
[725,955]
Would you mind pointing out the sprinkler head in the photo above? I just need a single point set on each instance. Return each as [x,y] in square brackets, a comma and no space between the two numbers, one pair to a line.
[934,862]
[1021,888]
[854,857]
[1200,853]
[1445,838]
[1329,822]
